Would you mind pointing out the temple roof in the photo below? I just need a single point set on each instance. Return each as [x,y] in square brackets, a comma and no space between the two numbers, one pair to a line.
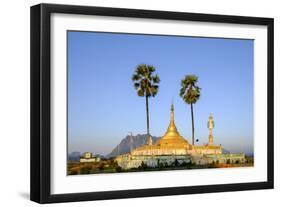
[172,137]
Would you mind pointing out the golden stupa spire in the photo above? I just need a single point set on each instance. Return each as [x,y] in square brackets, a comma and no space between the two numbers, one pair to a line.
[172,112]
[172,138]
[172,129]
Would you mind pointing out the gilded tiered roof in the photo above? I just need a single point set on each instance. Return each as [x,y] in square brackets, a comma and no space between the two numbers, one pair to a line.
[172,137]
[172,143]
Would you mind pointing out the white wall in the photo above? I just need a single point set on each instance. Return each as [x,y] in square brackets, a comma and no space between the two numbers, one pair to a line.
[14,104]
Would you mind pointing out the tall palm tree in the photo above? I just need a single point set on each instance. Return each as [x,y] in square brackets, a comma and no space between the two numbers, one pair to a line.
[190,93]
[146,85]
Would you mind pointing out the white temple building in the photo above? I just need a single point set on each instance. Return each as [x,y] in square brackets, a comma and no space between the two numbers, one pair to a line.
[172,147]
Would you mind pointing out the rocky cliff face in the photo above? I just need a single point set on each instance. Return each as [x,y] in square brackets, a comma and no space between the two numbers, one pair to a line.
[129,143]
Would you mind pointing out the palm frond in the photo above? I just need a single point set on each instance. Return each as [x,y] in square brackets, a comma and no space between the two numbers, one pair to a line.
[156,79]
[154,90]
[189,91]
[140,92]
[136,85]
[145,82]
[182,92]
[136,77]
[150,68]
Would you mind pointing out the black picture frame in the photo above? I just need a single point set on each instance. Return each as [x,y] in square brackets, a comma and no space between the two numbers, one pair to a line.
[41,99]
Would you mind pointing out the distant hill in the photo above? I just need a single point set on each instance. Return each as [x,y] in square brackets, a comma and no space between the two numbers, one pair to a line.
[225,151]
[129,143]
[74,156]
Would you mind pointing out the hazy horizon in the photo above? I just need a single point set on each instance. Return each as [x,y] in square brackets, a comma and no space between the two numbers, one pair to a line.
[103,107]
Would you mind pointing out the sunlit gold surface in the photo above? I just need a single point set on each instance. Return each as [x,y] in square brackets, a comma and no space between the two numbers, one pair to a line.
[172,143]
[172,146]
[172,137]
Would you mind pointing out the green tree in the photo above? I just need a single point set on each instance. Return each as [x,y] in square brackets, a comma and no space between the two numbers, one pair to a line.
[190,93]
[101,166]
[118,169]
[146,85]
[85,170]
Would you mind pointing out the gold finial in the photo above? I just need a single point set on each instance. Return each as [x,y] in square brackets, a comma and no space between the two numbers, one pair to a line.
[172,126]
[172,113]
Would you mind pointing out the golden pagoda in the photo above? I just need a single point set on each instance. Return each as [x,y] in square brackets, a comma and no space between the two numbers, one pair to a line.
[172,138]
[172,143]
[172,146]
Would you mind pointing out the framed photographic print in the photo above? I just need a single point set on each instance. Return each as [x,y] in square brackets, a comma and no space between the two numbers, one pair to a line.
[133,103]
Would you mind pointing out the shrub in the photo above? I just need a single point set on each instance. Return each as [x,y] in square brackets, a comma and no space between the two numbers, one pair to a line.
[118,169]
[85,170]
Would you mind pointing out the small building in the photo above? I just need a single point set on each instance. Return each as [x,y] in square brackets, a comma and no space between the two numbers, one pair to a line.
[88,157]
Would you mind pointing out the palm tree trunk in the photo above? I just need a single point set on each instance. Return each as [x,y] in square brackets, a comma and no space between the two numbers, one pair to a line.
[192,118]
[147,114]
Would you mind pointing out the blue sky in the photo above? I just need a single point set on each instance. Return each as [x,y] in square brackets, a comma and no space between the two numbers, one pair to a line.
[103,106]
